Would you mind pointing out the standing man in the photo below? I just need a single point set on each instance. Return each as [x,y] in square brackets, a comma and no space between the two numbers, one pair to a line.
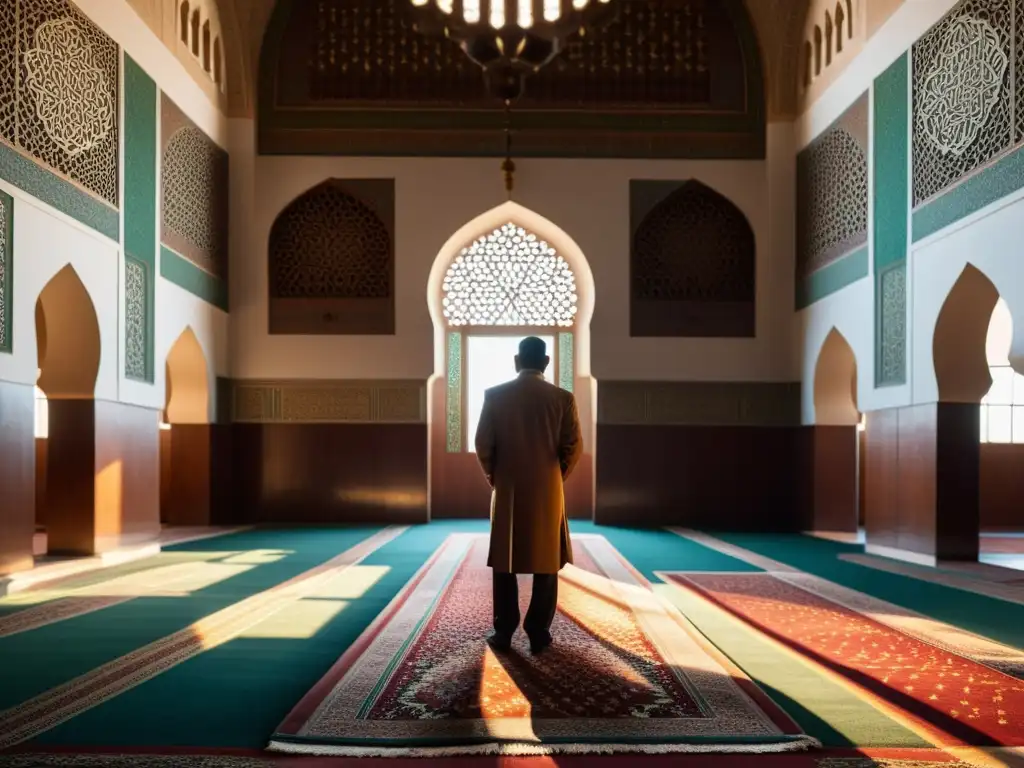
[528,442]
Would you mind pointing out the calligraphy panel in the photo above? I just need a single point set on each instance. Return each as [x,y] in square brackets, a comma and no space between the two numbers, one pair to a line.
[962,94]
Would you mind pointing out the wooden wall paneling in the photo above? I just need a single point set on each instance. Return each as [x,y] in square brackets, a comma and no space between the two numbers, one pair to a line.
[17,476]
[102,485]
[330,473]
[881,480]
[1001,486]
[958,481]
[916,480]
[834,478]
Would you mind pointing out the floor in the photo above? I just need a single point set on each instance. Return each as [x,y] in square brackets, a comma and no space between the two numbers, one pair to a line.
[228,691]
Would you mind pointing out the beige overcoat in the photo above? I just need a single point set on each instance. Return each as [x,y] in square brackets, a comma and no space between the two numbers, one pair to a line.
[528,441]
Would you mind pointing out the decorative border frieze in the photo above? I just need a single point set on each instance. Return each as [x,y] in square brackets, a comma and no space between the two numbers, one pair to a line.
[329,401]
[697,403]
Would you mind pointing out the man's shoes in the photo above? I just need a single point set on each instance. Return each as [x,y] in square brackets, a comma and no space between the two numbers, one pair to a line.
[539,644]
[502,643]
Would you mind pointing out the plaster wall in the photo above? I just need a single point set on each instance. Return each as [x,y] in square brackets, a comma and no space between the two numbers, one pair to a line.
[587,199]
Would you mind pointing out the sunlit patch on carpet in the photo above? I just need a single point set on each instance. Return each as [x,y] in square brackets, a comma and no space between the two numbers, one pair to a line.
[964,689]
[625,675]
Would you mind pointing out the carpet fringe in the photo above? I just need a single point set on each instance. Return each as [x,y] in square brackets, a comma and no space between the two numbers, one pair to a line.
[797,744]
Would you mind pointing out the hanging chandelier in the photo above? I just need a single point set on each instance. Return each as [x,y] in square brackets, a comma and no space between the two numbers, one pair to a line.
[510,39]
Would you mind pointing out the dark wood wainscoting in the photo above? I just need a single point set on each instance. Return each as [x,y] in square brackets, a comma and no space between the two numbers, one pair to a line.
[17,476]
[102,476]
[459,490]
[196,474]
[326,473]
[729,477]
[832,469]
[922,480]
[1002,486]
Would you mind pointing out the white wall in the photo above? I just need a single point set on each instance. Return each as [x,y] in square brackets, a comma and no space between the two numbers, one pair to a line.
[990,240]
[45,240]
[588,199]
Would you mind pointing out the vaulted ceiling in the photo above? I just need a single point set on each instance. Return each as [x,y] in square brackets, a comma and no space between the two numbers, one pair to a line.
[780,25]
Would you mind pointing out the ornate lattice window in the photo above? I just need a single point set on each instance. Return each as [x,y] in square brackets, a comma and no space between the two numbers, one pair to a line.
[194,183]
[832,193]
[510,277]
[1002,408]
[505,285]
[331,261]
[693,266]
[962,94]
[59,91]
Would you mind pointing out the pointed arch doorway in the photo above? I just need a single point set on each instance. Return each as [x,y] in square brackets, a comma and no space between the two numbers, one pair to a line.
[508,274]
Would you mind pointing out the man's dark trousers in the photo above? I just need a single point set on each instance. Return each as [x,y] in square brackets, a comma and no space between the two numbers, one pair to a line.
[542,606]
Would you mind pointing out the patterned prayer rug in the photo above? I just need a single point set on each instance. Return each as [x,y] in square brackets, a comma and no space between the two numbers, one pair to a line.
[627,673]
[962,689]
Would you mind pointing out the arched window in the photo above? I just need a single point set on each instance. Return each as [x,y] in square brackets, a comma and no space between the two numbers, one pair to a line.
[693,265]
[1002,409]
[828,38]
[849,19]
[331,262]
[183,21]
[840,18]
[808,64]
[195,33]
[207,63]
[217,62]
[817,51]
[503,286]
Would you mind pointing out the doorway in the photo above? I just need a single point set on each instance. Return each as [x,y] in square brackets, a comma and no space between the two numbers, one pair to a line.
[489,362]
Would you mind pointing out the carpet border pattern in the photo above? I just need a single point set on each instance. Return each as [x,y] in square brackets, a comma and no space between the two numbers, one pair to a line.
[329,722]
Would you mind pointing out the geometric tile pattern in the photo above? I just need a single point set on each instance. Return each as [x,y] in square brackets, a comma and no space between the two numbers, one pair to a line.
[59,76]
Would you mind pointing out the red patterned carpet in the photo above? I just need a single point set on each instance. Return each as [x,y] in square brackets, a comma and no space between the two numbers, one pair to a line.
[963,701]
[625,675]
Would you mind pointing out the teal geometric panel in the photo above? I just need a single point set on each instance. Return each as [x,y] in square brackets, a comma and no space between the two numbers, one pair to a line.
[137,364]
[891,355]
[27,175]
[454,393]
[6,272]
[836,276]
[566,361]
[890,165]
[140,112]
[176,269]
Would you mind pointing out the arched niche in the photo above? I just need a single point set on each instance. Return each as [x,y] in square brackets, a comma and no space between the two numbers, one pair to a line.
[693,266]
[331,260]
[188,382]
[313,99]
[835,383]
[457,486]
[959,340]
[68,338]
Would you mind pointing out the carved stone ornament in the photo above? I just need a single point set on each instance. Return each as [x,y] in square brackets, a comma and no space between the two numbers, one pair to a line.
[963,85]
[72,97]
